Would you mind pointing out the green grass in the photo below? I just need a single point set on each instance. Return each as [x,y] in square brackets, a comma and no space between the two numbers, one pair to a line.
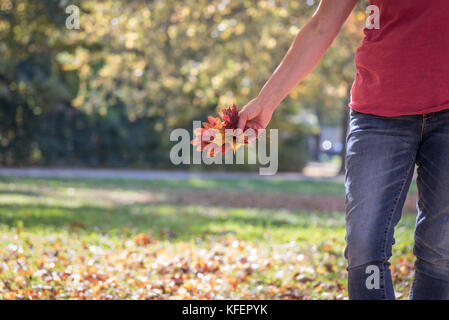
[307,187]
[58,225]
[320,187]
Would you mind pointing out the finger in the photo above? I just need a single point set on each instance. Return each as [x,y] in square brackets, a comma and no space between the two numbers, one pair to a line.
[251,131]
[243,117]
[254,125]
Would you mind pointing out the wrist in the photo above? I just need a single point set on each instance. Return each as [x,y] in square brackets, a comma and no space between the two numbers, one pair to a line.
[267,103]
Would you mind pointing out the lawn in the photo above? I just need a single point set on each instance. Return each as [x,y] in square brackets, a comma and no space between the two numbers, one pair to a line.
[179,239]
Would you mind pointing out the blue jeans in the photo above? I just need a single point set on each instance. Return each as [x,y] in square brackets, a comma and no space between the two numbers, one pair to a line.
[380,159]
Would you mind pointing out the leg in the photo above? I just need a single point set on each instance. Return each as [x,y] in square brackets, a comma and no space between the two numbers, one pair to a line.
[432,224]
[380,161]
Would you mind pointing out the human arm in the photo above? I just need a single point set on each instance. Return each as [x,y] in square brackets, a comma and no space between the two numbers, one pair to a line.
[307,49]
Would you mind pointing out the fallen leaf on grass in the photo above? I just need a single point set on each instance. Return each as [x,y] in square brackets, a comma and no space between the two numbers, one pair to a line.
[142,239]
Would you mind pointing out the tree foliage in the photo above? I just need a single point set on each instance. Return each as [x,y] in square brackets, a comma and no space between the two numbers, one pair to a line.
[110,93]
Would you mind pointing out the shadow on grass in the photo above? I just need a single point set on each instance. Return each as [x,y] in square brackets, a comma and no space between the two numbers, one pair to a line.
[20,193]
[161,221]
[305,187]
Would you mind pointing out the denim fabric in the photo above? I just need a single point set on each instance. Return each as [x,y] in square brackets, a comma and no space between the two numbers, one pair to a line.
[380,159]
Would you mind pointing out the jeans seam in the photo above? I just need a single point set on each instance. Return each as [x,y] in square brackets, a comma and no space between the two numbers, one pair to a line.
[384,287]
[429,275]
[390,219]
[422,126]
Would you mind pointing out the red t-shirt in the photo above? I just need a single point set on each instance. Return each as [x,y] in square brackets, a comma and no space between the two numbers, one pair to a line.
[403,67]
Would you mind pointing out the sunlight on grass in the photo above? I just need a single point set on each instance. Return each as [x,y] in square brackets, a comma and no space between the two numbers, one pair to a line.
[115,239]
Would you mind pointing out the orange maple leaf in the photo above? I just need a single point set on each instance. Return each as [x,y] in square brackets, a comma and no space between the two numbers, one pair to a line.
[222,135]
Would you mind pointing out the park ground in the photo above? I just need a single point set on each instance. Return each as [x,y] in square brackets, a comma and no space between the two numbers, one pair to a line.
[189,238]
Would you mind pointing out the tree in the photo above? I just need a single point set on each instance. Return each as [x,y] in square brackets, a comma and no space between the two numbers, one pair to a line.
[111,92]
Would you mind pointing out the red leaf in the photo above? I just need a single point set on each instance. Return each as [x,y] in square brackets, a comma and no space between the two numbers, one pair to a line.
[230,117]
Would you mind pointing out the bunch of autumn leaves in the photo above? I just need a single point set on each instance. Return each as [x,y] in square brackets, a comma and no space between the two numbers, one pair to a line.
[220,134]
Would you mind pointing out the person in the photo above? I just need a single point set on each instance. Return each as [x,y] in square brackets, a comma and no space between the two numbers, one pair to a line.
[398,119]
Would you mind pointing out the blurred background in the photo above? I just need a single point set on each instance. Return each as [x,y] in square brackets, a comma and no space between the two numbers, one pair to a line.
[109,93]
[91,206]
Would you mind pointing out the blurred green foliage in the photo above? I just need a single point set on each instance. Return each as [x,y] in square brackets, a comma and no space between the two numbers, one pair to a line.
[110,93]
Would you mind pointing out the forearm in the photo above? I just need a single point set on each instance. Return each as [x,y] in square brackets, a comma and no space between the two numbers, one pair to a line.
[307,49]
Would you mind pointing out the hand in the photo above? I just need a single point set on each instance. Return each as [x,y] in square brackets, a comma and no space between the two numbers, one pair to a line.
[254,115]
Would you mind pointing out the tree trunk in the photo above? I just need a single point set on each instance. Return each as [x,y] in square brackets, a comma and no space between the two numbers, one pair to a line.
[318,135]
[316,151]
